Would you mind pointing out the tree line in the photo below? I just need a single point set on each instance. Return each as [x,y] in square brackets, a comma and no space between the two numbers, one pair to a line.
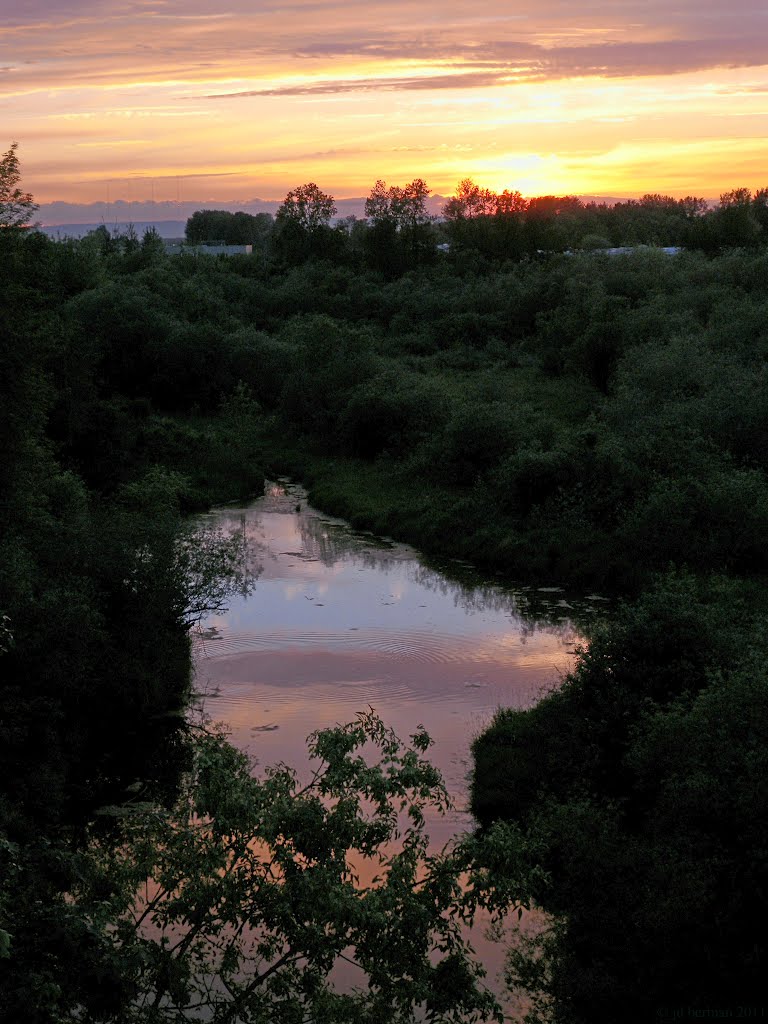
[397,232]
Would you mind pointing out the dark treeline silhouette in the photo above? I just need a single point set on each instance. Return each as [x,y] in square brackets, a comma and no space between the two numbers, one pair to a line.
[397,234]
[506,225]
[543,408]
[230,228]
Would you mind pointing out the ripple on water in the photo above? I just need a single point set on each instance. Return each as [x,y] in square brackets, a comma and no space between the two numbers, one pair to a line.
[360,695]
[422,645]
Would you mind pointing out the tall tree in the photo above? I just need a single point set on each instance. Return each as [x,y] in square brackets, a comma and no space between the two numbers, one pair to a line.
[510,203]
[401,234]
[470,201]
[16,206]
[404,207]
[307,207]
[410,204]
[378,203]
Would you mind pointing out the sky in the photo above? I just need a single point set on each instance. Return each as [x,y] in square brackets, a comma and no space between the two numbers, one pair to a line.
[237,99]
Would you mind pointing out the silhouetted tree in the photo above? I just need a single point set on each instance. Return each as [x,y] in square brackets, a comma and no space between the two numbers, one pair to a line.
[16,206]
[307,207]
[238,228]
[399,235]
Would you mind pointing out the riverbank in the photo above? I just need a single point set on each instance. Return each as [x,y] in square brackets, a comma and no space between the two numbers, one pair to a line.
[633,788]
[389,497]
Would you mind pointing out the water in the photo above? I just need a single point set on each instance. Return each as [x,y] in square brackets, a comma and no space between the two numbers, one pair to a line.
[339,621]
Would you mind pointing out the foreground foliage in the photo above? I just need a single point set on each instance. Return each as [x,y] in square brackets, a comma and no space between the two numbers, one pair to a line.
[238,902]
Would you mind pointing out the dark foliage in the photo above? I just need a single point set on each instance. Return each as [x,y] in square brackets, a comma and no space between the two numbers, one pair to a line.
[639,786]
[570,416]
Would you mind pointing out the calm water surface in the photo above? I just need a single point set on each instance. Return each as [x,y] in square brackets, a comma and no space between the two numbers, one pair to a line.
[338,621]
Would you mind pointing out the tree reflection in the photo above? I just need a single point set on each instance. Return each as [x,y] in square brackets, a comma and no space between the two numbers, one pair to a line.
[331,541]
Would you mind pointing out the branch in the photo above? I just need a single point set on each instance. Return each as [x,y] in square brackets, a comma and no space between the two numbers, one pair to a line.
[257,981]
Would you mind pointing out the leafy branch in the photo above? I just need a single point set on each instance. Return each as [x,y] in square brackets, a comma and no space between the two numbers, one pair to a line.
[243,897]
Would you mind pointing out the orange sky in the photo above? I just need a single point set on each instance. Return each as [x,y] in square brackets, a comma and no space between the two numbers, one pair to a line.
[190,99]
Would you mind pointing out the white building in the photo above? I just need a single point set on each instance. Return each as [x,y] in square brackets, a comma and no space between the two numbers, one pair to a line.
[174,247]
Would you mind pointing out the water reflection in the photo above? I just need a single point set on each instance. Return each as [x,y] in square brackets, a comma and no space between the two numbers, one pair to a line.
[340,620]
[328,541]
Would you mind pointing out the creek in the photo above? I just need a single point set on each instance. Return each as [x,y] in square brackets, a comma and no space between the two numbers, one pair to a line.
[338,621]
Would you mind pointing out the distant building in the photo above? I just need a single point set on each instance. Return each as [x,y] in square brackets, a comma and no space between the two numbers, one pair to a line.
[628,250]
[624,250]
[174,247]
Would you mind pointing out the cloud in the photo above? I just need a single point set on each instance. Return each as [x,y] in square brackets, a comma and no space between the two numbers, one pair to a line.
[742,90]
[263,86]
[609,58]
[459,80]
[674,56]
[125,40]
[535,63]
[182,177]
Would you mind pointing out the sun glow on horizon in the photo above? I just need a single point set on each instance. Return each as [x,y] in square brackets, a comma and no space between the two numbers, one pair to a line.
[160,101]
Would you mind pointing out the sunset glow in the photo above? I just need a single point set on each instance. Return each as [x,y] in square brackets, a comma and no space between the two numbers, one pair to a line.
[159,99]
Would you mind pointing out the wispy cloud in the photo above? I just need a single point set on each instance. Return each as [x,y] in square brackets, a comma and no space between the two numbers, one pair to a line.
[742,90]
[674,56]
[388,88]
[609,60]
[602,36]
[459,80]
